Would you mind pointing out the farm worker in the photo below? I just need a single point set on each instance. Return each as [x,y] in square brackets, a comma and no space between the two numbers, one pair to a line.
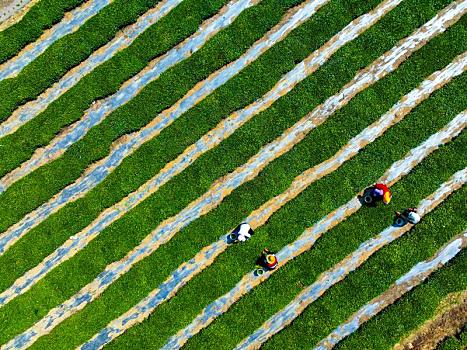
[241,233]
[269,259]
[409,215]
[381,192]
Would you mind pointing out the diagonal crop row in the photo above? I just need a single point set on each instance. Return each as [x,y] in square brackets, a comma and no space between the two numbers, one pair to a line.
[309,237]
[226,128]
[43,14]
[404,284]
[95,174]
[381,67]
[129,89]
[221,189]
[50,179]
[259,217]
[70,23]
[138,230]
[148,274]
[122,40]
[285,316]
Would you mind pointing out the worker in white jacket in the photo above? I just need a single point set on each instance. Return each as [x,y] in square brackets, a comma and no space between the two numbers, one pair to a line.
[409,215]
[241,233]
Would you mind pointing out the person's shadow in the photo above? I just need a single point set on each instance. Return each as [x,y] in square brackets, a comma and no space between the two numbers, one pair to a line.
[261,262]
[261,266]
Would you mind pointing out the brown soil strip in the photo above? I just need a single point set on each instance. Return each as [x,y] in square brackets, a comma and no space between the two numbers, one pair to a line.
[12,11]
[450,317]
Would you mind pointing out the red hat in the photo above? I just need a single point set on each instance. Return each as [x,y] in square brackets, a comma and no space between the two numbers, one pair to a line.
[271,260]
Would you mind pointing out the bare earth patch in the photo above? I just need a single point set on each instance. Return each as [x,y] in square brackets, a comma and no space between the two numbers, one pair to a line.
[450,317]
[8,8]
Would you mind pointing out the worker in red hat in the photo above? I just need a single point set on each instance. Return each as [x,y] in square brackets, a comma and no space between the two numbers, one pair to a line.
[268,260]
[381,192]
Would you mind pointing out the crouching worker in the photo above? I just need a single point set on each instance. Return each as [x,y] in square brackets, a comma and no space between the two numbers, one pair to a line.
[241,233]
[378,192]
[268,260]
[408,215]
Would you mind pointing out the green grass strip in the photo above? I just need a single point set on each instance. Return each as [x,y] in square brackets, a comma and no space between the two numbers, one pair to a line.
[277,292]
[53,231]
[112,188]
[155,268]
[211,56]
[39,18]
[68,52]
[103,81]
[15,203]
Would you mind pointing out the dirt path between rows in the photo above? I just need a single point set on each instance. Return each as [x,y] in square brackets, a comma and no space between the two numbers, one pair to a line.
[417,275]
[10,7]
[450,317]
[353,261]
